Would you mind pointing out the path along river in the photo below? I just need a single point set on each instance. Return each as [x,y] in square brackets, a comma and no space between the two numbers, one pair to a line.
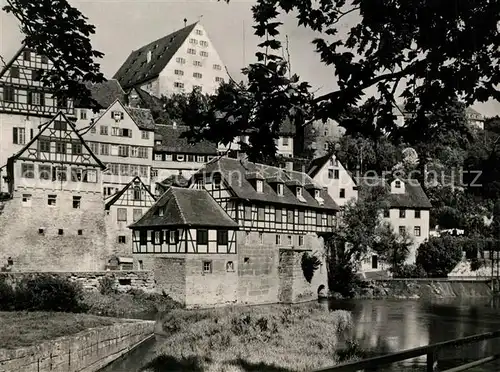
[386,326]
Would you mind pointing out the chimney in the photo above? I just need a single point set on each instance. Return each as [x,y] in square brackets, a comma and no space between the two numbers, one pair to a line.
[185,22]
[289,166]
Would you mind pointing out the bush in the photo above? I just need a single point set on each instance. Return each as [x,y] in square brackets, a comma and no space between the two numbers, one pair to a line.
[107,286]
[343,279]
[439,256]
[7,295]
[48,293]
[409,271]
[310,264]
[476,264]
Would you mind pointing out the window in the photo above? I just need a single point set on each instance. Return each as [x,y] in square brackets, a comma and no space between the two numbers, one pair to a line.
[207,267]
[179,158]
[285,141]
[193,41]
[261,238]
[301,240]
[27,55]
[204,43]
[123,151]
[44,172]
[219,79]
[197,63]
[386,213]
[398,184]
[199,32]
[60,125]
[59,174]
[94,147]
[136,215]
[9,94]
[217,67]
[280,189]
[122,214]
[90,176]
[416,231]
[19,136]
[76,148]
[27,170]
[330,174]
[222,237]
[36,98]
[41,231]
[14,72]
[336,174]
[203,53]
[104,130]
[158,237]
[417,213]
[374,261]
[161,211]
[197,75]
[26,200]
[122,239]
[178,85]
[230,266]
[61,147]
[278,239]
[141,265]
[180,60]
[191,51]
[104,148]
[124,169]
[60,232]
[402,213]
[342,193]
[202,237]
[179,72]
[402,230]
[200,159]
[83,114]
[77,201]
[36,75]
[80,232]
[289,240]
[173,237]
[260,186]
[52,200]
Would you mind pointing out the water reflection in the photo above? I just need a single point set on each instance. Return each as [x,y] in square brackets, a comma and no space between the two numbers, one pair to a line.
[386,326]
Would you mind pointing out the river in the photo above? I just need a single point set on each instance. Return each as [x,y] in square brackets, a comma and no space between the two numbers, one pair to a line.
[385,326]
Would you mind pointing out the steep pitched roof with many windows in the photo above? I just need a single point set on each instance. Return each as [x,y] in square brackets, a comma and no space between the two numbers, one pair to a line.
[136,69]
[186,207]
[238,176]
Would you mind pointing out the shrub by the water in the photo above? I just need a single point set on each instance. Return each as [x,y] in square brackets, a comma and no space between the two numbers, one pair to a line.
[48,293]
[439,256]
[409,271]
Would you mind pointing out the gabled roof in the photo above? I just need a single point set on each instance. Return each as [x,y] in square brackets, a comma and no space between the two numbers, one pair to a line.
[171,141]
[60,115]
[186,207]
[150,101]
[141,117]
[414,196]
[317,164]
[114,198]
[234,172]
[106,93]
[136,70]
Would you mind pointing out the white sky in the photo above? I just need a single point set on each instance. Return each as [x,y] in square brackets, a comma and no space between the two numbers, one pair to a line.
[124,25]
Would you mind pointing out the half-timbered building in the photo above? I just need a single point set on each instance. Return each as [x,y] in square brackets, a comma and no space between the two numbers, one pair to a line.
[54,220]
[123,208]
[25,103]
[281,214]
[190,243]
[122,137]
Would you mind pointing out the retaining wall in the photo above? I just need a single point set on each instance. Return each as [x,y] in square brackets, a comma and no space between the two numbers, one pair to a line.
[87,351]
[124,280]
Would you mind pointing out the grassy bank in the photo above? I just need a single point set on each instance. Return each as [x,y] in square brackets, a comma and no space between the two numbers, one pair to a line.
[26,329]
[265,338]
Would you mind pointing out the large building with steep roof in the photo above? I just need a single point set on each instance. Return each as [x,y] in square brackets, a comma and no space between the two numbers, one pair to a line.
[176,63]
[54,219]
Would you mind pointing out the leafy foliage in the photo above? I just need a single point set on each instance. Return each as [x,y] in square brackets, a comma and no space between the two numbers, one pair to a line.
[107,286]
[391,248]
[60,32]
[409,271]
[438,256]
[309,263]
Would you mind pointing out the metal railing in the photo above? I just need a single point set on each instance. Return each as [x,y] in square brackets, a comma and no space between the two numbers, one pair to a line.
[431,351]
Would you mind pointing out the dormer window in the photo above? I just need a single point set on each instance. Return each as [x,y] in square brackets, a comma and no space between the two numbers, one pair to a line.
[279,189]
[260,186]
[161,211]
[299,191]
[316,194]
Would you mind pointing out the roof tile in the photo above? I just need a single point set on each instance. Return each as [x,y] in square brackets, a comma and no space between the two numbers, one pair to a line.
[171,141]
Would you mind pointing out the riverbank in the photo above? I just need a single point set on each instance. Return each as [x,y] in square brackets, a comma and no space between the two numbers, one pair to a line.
[237,339]
[87,344]
[422,289]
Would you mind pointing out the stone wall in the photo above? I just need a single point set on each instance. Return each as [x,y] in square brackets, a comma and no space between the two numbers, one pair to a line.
[87,351]
[170,275]
[39,237]
[124,280]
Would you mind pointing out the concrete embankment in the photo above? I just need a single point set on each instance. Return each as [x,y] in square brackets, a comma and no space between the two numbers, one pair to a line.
[426,288]
[87,351]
